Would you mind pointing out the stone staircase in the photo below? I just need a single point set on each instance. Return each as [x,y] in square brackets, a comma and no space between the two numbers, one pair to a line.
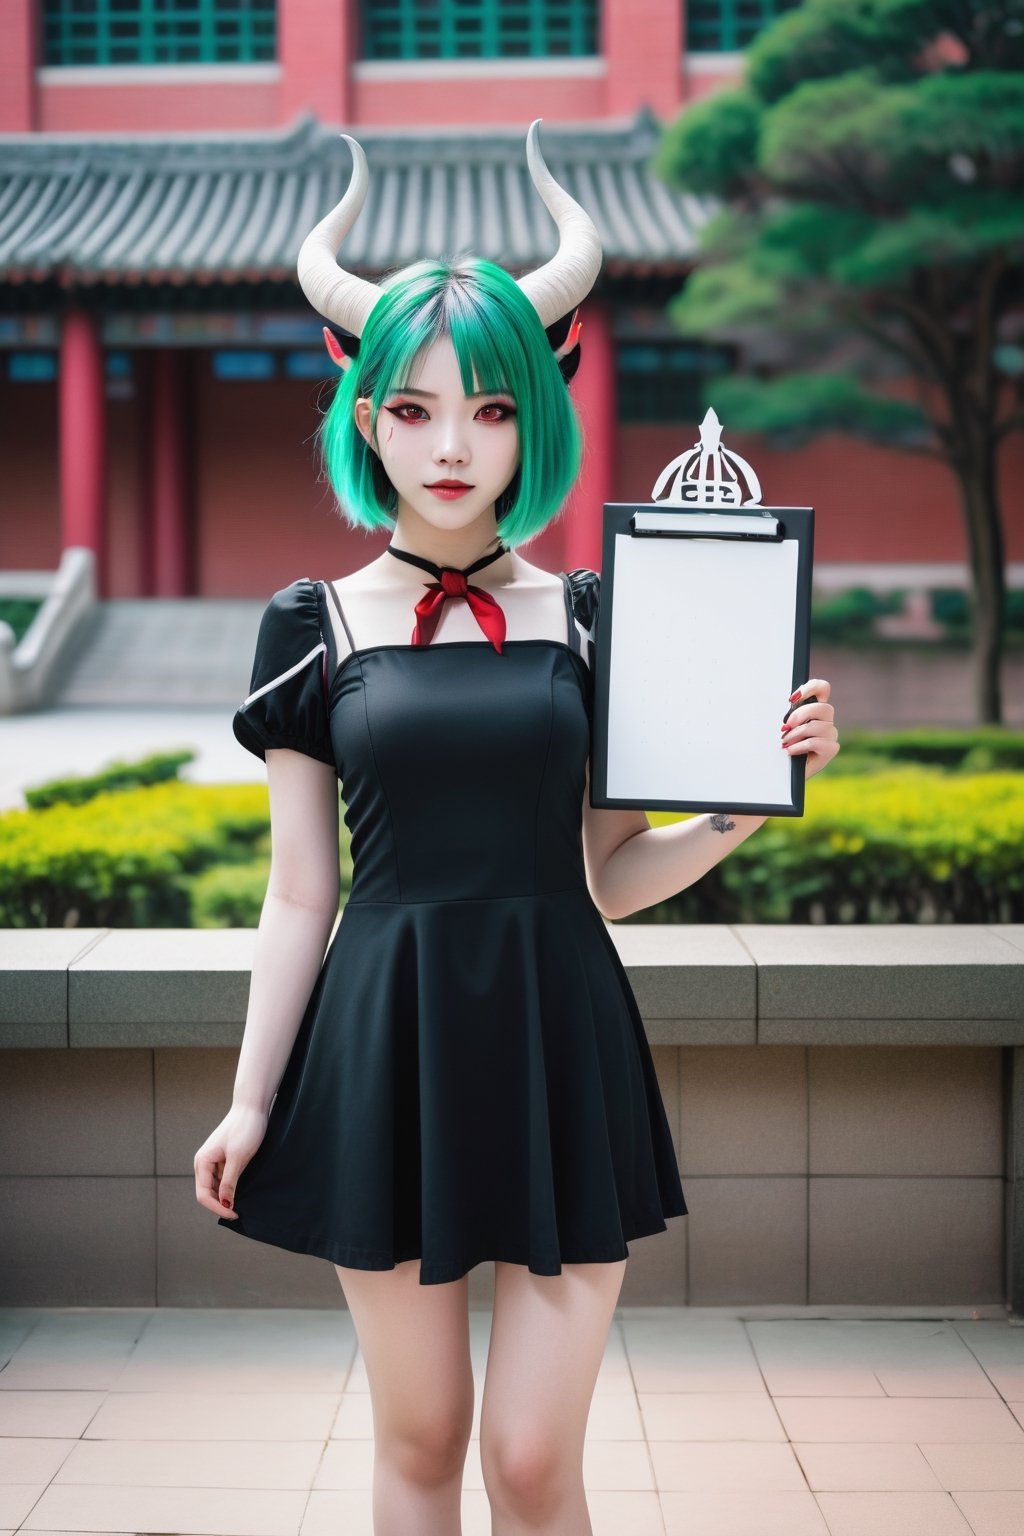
[178,652]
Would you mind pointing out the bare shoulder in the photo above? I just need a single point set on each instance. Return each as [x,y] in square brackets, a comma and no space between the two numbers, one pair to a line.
[358,581]
[377,602]
[527,575]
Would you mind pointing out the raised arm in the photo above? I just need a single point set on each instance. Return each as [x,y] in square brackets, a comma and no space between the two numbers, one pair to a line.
[632,865]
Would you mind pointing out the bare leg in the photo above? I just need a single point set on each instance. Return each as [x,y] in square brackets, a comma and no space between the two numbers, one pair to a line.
[548,1335]
[414,1340]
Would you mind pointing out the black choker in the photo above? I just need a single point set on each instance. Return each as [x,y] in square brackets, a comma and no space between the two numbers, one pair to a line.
[451,582]
[436,570]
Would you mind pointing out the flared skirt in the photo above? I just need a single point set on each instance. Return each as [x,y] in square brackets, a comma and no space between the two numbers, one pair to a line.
[470,1081]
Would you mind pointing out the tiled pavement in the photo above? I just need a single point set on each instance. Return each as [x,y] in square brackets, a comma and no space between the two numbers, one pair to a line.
[706,1422]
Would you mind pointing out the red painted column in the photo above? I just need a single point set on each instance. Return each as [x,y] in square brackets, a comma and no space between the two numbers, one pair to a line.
[315,44]
[594,394]
[83,440]
[18,96]
[170,525]
[642,41]
[144,567]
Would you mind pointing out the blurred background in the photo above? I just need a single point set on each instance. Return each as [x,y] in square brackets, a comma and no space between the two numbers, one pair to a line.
[810,223]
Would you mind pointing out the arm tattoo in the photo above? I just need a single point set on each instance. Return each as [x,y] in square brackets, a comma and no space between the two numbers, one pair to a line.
[722,822]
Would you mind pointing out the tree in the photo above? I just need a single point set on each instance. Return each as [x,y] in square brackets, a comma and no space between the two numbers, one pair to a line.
[870,233]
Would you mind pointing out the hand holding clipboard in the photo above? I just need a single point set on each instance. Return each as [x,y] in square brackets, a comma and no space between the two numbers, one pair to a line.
[703,636]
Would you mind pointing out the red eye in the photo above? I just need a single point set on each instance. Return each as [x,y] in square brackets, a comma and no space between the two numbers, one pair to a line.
[499,412]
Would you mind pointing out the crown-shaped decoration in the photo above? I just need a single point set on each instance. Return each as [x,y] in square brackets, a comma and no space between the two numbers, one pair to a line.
[707,475]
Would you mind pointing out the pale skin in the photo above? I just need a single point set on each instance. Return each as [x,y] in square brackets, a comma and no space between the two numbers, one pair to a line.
[548,1332]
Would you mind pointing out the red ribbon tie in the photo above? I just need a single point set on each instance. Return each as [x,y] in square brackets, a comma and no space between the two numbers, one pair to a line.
[485,609]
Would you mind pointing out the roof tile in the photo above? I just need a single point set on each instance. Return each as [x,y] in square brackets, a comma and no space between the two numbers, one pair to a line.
[235,207]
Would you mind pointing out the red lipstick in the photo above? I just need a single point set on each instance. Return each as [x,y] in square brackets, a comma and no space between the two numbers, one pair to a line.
[449,490]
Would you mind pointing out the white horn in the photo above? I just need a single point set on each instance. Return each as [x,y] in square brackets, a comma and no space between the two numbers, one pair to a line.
[336,294]
[561,283]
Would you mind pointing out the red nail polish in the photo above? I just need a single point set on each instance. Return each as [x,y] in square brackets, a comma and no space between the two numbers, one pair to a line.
[794,696]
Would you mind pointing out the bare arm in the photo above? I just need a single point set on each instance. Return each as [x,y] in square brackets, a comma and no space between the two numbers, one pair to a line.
[632,865]
[299,911]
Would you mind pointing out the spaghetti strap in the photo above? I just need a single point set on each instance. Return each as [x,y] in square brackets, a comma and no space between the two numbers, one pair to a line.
[344,622]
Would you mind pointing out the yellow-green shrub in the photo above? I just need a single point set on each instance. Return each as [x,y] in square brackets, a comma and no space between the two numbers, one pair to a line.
[123,858]
[909,844]
[155,768]
[229,895]
[900,843]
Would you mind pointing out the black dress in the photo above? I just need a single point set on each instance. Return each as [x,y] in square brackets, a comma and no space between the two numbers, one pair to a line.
[471,1079]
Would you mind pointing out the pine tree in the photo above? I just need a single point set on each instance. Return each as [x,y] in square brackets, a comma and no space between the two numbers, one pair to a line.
[870,167]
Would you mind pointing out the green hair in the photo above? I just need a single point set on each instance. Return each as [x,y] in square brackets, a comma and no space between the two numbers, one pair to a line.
[497,335]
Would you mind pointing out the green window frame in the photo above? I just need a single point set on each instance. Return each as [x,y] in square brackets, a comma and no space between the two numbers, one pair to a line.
[659,379]
[725,26]
[478,29]
[98,32]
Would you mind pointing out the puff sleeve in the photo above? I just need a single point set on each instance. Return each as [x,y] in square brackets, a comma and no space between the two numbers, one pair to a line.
[286,705]
[585,586]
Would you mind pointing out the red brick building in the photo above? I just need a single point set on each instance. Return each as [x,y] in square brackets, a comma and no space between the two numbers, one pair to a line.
[161,373]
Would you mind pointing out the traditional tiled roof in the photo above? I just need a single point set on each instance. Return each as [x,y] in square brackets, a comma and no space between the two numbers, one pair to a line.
[234,207]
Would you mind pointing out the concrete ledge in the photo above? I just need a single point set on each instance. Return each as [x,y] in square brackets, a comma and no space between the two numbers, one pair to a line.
[706,984]
[695,985]
[861,1174]
[34,965]
[926,974]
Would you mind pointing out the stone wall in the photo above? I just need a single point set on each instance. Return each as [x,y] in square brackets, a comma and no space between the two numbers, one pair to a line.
[846,1105]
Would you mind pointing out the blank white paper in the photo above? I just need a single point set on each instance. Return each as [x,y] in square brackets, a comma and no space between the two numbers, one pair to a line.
[701,669]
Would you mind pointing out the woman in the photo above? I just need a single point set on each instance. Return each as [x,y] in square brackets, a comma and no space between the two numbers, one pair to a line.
[465,1076]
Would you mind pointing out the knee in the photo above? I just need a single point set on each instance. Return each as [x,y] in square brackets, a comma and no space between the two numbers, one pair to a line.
[525,1476]
[429,1453]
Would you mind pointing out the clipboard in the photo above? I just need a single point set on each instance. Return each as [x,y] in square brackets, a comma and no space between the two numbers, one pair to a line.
[703,632]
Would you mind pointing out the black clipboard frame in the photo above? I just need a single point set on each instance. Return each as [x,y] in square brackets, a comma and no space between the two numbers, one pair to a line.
[793,523]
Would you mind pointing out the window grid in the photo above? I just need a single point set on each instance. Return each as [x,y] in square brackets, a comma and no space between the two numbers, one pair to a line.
[663,381]
[159,31]
[478,29]
[724,26]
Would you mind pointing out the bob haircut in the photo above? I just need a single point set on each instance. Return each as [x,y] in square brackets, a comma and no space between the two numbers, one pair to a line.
[498,337]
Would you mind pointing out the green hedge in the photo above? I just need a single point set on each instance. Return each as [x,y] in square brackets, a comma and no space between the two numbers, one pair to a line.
[230,895]
[160,856]
[951,607]
[124,858]
[848,617]
[157,768]
[880,841]
[904,845]
[982,749]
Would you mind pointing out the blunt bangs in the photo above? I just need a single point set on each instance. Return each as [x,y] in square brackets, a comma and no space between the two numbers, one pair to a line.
[500,345]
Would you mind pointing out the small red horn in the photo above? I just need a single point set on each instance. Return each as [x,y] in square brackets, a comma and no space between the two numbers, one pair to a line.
[572,338]
[334,349]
